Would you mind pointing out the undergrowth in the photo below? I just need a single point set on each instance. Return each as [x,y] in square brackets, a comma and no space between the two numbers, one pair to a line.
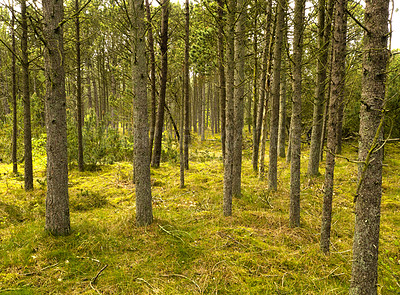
[190,248]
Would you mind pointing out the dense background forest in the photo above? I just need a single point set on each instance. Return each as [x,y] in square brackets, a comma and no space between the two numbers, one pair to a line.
[250,137]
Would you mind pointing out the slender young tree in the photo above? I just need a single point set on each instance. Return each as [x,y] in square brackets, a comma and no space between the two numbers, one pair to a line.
[156,156]
[150,40]
[364,276]
[230,132]
[294,214]
[144,212]
[276,81]
[282,105]
[81,163]
[336,99]
[14,93]
[27,100]
[186,89]
[315,145]
[240,42]
[221,73]
[57,201]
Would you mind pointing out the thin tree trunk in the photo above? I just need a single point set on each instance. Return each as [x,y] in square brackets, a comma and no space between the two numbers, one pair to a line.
[144,212]
[364,276]
[282,107]
[240,42]
[57,201]
[315,145]
[230,108]
[186,89]
[221,69]
[150,41]
[27,100]
[294,215]
[276,80]
[14,96]
[263,81]
[336,99]
[81,163]
[156,156]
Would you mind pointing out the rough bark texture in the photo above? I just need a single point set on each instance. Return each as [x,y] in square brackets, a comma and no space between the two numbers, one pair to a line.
[150,40]
[240,41]
[230,124]
[144,213]
[294,216]
[156,156]
[336,99]
[81,165]
[276,82]
[14,97]
[315,145]
[186,89]
[27,100]
[57,201]
[263,81]
[282,109]
[364,277]
[221,69]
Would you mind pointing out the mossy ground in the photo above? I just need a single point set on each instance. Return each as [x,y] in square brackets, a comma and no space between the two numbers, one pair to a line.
[191,248]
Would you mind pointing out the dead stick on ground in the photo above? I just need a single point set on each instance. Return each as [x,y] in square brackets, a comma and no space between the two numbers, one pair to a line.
[93,281]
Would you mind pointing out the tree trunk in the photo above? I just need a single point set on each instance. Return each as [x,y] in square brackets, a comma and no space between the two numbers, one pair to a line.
[282,108]
[57,201]
[156,156]
[81,165]
[14,96]
[364,277]
[27,100]
[315,145]
[144,213]
[263,85]
[230,108]
[152,76]
[240,43]
[294,215]
[336,99]
[276,80]
[186,89]
[221,69]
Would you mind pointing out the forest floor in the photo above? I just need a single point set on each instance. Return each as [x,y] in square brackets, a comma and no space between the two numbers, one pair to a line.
[191,248]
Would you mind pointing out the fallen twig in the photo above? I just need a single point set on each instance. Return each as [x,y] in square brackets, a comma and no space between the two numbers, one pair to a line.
[93,281]
[185,277]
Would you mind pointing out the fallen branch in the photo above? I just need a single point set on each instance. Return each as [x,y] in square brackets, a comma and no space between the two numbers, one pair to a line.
[93,280]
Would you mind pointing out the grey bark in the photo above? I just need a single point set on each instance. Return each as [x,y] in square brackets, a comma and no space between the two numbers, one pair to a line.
[282,108]
[240,43]
[57,201]
[14,96]
[315,145]
[276,81]
[27,100]
[144,212]
[156,155]
[230,124]
[336,99]
[80,119]
[364,276]
[221,73]
[186,89]
[294,214]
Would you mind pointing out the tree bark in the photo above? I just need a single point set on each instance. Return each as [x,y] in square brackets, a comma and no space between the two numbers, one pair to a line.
[315,145]
[81,163]
[230,108]
[294,214]
[240,43]
[144,212]
[186,89]
[27,100]
[57,201]
[336,99]
[364,277]
[221,69]
[282,107]
[156,156]
[14,96]
[276,80]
